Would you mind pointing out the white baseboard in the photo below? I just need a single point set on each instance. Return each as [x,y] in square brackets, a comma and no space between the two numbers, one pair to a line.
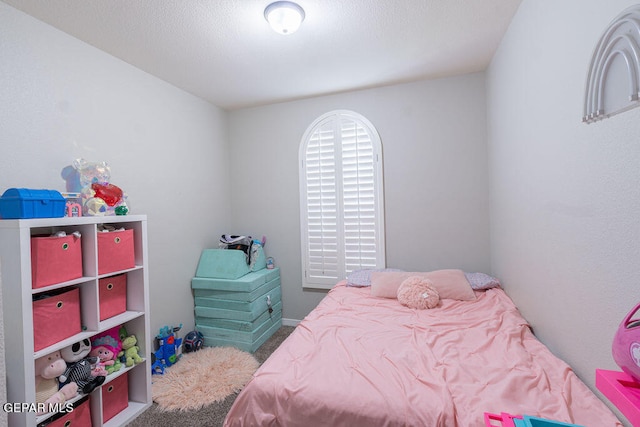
[290,322]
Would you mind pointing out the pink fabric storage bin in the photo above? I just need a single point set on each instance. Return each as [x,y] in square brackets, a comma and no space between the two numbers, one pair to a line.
[115,397]
[79,417]
[55,318]
[115,251]
[55,260]
[112,292]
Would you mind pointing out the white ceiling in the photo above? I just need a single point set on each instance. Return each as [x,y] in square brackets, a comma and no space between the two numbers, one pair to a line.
[225,52]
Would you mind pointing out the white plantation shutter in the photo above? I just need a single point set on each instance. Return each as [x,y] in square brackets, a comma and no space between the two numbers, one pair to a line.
[358,197]
[322,204]
[342,219]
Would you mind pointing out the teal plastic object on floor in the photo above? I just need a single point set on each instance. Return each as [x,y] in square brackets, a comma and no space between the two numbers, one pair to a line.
[529,421]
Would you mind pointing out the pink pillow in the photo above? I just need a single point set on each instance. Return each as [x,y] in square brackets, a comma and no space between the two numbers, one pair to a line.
[417,292]
[450,284]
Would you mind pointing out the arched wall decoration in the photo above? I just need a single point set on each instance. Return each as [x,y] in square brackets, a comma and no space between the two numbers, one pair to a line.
[613,82]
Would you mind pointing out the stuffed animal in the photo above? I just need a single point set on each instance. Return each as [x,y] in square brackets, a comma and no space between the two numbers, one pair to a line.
[106,346]
[47,369]
[129,354]
[81,368]
[99,370]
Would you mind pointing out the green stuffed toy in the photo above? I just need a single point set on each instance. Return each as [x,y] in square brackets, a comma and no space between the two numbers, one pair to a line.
[115,367]
[130,351]
[129,354]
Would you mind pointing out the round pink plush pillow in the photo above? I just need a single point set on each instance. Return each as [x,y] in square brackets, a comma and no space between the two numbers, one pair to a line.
[418,292]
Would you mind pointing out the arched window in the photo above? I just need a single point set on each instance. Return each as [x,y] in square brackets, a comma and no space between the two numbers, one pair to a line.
[341,198]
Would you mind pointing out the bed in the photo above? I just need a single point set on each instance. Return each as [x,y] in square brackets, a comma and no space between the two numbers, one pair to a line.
[364,360]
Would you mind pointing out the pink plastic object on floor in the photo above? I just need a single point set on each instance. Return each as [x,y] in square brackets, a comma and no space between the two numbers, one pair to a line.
[504,419]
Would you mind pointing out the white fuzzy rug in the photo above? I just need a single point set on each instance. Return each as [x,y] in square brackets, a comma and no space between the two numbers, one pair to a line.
[203,377]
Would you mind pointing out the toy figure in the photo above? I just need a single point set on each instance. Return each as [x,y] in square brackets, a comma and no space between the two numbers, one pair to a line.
[157,368]
[47,369]
[129,354]
[106,346]
[81,368]
[169,349]
[170,344]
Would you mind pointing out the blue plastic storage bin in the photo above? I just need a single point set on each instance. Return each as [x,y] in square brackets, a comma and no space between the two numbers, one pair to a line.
[22,203]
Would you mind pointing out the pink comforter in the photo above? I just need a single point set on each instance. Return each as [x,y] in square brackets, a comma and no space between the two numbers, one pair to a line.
[358,360]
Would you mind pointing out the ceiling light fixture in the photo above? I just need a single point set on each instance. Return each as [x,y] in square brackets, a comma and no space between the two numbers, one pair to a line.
[284,17]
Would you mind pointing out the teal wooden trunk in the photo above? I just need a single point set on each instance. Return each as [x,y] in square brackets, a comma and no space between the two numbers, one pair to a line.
[235,311]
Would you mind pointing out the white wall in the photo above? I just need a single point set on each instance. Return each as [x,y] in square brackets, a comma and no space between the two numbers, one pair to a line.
[61,99]
[435,171]
[565,199]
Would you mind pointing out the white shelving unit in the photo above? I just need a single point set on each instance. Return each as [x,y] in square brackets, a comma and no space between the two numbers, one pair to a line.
[17,311]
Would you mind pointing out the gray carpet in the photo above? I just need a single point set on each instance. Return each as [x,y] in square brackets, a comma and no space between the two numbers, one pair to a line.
[212,415]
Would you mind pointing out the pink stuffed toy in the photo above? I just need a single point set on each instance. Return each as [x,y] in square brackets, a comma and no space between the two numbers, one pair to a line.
[98,370]
[106,345]
[418,292]
[48,369]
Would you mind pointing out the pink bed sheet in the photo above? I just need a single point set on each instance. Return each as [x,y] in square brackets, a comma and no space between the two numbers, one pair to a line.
[357,360]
